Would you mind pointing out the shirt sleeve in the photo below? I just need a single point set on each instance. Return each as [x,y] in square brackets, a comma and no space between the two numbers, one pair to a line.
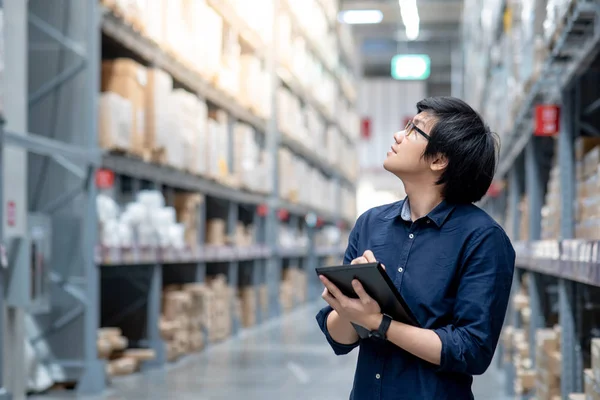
[482,297]
[349,255]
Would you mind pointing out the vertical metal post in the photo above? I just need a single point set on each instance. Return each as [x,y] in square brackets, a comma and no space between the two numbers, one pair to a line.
[273,270]
[257,263]
[571,366]
[201,226]
[232,219]
[514,193]
[93,378]
[153,309]
[534,186]
[4,394]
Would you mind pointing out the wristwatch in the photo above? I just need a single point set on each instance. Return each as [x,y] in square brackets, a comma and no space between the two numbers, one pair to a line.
[381,332]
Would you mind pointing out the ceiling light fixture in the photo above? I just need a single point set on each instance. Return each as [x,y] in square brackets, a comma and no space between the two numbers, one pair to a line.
[410,18]
[360,16]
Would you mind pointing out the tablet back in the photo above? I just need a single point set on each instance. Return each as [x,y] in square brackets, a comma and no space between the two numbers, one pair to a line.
[377,284]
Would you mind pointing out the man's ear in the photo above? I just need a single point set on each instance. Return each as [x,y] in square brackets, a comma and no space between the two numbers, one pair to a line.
[439,163]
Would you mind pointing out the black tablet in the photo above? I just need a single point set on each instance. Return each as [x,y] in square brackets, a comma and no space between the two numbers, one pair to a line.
[377,284]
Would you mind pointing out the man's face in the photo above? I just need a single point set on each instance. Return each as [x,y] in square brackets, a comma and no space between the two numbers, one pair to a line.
[406,153]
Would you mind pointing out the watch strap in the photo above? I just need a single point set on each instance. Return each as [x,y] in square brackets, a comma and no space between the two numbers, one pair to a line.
[386,321]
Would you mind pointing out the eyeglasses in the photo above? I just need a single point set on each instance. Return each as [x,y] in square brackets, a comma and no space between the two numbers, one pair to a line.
[411,127]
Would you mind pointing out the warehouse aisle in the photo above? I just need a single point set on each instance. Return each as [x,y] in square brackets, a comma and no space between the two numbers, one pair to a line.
[284,359]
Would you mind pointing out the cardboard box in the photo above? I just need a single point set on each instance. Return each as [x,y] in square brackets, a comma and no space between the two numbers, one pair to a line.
[129,80]
[216,231]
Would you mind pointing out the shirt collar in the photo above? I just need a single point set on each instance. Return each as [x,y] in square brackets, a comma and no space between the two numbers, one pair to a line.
[438,215]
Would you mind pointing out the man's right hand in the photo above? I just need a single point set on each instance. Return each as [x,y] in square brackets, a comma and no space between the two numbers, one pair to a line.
[366,258]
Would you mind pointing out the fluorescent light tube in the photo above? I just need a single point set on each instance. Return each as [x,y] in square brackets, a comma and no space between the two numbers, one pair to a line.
[360,16]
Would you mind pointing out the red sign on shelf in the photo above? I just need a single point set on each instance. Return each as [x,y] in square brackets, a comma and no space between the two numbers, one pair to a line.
[283,214]
[262,210]
[547,120]
[11,213]
[105,178]
[365,128]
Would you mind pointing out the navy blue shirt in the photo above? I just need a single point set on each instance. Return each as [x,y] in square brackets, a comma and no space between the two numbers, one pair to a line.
[454,268]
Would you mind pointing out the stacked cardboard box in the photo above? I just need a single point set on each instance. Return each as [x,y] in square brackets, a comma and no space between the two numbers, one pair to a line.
[243,235]
[548,363]
[552,205]
[248,298]
[216,232]
[190,310]
[219,312]
[127,79]
[187,209]
[587,153]
[524,219]
[112,346]
[293,288]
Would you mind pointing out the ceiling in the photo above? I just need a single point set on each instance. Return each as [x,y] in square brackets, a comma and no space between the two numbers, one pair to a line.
[439,36]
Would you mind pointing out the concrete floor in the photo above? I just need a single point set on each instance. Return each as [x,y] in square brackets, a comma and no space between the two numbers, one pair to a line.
[285,358]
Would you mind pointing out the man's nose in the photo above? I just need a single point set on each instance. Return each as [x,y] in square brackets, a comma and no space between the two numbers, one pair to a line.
[399,137]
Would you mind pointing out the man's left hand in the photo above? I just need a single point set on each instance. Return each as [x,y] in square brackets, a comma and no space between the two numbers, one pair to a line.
[363,311]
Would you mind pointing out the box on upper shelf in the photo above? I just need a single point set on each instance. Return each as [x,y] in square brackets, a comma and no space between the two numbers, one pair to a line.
[129,79]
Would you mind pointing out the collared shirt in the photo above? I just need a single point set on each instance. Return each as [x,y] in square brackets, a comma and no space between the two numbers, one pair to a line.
[454,269]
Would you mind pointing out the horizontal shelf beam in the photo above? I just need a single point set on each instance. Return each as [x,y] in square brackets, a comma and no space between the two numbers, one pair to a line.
[129,166]
[44,146]
[151,256]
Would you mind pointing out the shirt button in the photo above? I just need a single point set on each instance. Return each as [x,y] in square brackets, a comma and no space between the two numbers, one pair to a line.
[400,269]
[428,221]
[377,376]
[411,236]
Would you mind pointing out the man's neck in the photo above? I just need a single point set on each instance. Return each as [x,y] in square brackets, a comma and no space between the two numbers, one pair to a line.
[422,200]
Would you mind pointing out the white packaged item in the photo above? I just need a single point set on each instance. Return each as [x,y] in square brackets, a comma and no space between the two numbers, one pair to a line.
[177,236]
[152,199]
[158,98]
[115,116]
[107,208]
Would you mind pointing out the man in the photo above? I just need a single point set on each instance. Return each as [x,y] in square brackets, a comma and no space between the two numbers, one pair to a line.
[452,263]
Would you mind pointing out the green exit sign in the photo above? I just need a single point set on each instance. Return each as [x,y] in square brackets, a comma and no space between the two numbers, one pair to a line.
[414,67]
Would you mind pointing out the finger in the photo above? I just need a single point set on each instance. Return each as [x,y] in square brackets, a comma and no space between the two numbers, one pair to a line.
[360,291]
[368,254]
[332,301]
[359,260]
[331,288]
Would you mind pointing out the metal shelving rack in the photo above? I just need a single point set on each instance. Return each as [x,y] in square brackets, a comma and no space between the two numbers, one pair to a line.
[64,73]
[564,264]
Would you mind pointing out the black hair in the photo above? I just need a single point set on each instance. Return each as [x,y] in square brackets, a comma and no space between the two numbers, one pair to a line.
[460,135]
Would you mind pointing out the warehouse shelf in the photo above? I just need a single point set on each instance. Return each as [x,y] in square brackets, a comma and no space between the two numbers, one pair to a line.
[248,34]
[118,30]
[207,254]
[313,158]
[44,146]
[549,207]
[574,50]
[328,65]
[292,82]
[140,169]
[303,210]
[152,219]
[574,260]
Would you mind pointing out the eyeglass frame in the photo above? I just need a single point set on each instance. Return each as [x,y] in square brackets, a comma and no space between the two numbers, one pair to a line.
[409,128]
